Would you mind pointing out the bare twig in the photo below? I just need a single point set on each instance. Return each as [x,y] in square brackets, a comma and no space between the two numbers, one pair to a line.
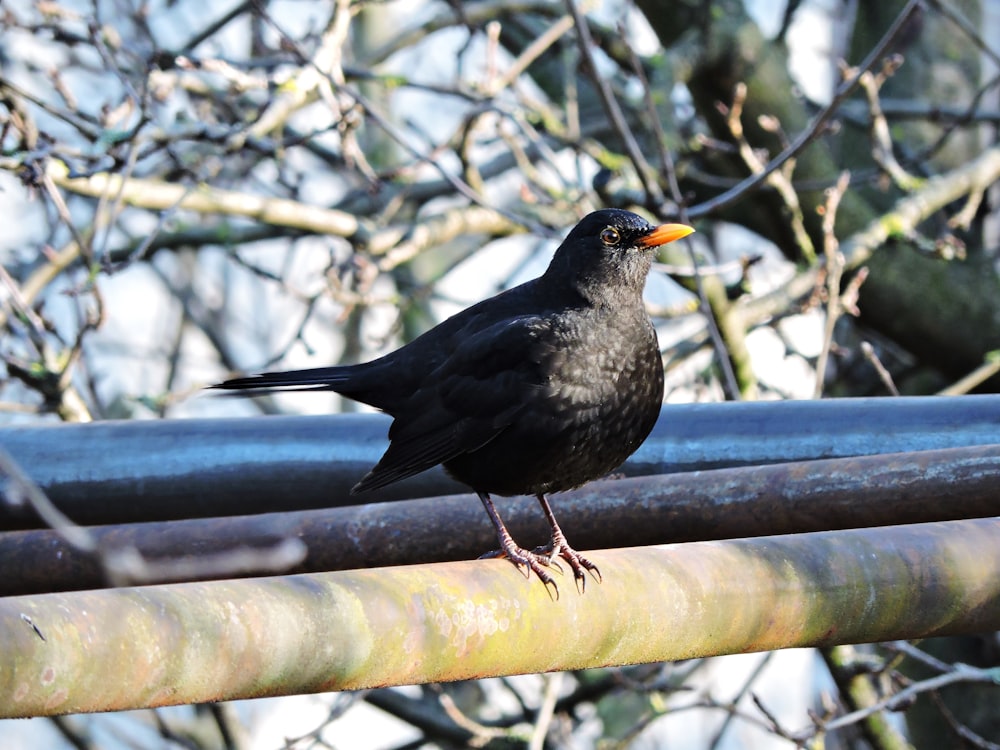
[884,375]
[981,374]
[553,685]
[834,270]
[654,194]
[20,490]
[816,127]
[882,151]
[958,674]
[779,179]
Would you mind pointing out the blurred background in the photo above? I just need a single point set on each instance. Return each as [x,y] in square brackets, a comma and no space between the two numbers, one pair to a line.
[191,190]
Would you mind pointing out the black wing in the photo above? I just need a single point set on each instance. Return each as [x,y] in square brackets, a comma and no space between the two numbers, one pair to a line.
[476,393]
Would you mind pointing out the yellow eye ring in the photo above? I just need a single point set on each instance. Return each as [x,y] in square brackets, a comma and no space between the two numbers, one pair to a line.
[610,236]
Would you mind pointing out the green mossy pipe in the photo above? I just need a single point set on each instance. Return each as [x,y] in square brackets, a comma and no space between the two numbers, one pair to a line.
[194,642]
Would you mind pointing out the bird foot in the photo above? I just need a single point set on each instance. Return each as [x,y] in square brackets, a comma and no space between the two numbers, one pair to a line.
[529,562]
[577,562]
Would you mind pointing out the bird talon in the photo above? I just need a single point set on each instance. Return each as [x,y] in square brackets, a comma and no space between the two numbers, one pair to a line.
[528,562]
[546,557]
[555,589]
[580,566]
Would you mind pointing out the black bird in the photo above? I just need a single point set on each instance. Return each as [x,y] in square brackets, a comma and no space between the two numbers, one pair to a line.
[539,389]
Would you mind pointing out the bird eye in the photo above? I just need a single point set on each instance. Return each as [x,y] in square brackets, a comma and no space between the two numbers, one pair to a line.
[609,236]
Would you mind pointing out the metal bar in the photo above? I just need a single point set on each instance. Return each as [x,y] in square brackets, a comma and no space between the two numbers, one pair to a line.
[196,642]
[879,490]
[118,472]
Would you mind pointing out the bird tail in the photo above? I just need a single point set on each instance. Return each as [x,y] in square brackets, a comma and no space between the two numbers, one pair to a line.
[316,379]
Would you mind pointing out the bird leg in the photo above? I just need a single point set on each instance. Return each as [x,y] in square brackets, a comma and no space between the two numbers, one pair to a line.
[559,547]
[531,561]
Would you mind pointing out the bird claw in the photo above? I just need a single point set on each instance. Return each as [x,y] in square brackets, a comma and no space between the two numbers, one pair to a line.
[528,562]
[577,562]
[539,559]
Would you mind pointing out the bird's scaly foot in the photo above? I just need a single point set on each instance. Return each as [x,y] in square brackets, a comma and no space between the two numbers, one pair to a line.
[577,562]
[529,562]
[559,547]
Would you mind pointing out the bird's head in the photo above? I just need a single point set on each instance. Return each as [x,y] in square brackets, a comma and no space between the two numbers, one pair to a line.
[608,254]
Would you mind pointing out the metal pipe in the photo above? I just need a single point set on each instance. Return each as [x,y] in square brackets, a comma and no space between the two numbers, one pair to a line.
[118,472]
[197,642]
[748,501]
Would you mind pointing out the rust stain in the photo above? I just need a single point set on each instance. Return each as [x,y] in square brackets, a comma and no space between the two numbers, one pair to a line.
[57,699]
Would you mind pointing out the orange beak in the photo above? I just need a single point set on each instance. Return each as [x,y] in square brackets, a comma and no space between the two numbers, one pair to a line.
[663,234]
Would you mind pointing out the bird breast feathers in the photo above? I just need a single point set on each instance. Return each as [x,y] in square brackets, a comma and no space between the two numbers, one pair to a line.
[526,358]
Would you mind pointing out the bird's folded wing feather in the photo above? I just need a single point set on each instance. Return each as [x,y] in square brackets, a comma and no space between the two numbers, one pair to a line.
[468,400]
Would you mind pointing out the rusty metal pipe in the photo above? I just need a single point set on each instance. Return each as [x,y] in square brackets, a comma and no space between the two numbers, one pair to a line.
[857,492]
[196,642]
[120,472]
